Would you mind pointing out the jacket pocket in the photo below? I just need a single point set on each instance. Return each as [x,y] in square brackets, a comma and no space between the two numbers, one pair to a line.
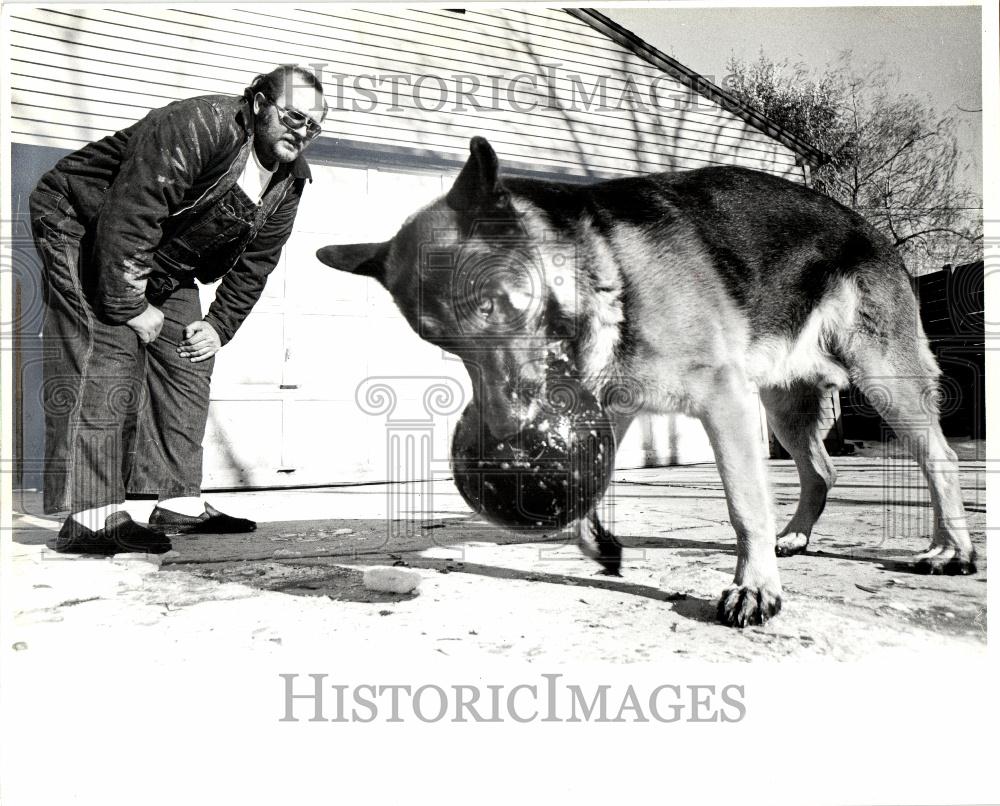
[53,217]
[206,237]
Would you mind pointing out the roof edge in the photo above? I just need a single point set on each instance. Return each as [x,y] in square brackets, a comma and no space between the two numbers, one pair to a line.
[813,156]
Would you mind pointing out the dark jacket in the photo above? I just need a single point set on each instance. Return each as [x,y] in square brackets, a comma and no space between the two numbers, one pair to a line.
[161,206]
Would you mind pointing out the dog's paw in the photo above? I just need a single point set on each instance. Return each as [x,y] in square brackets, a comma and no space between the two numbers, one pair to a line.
[945,560]
[742,605]
[789,544]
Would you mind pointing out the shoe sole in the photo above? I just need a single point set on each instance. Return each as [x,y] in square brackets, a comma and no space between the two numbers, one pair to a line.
[106,551]
[175,531]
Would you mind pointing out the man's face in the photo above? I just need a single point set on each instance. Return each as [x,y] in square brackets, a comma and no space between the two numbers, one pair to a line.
[273,140]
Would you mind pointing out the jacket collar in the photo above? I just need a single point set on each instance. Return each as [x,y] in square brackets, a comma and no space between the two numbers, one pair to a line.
[300,168]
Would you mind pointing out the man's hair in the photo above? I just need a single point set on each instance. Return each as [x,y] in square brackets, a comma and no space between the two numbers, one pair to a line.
[281,81]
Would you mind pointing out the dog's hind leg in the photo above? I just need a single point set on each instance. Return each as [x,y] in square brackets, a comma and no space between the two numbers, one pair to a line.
[908,404]
[890,362]
[731,419]
[795,416]
[599,544]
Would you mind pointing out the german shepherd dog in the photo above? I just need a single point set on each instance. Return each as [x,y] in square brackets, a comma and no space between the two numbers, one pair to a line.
[693,288]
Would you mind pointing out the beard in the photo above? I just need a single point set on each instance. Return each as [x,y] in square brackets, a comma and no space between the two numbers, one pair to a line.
[274,145]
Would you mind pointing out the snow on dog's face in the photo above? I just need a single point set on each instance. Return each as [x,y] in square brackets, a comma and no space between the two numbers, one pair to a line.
[468,278]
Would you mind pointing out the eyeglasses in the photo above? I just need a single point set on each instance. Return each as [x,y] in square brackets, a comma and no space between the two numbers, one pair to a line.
[294,119]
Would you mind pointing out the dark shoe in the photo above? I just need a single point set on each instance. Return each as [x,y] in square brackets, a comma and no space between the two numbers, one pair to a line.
[120,535]
[211,522]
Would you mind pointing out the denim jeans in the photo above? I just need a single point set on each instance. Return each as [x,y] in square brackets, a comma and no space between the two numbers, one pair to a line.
[119,414]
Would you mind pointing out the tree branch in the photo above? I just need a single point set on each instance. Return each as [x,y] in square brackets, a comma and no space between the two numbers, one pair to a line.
[961,234]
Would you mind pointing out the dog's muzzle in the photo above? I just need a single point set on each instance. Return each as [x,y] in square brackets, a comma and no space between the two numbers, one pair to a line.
[505,416]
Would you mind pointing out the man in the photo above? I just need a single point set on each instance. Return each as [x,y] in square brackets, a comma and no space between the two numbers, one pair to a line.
[201,189]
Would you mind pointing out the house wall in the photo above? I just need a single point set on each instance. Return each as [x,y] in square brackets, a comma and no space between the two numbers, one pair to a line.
[293,399]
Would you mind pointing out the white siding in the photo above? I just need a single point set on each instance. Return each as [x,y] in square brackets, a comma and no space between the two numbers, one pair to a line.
[80,73]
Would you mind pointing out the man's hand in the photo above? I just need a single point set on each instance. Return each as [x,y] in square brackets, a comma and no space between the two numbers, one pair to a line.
[147,324]
[200,343]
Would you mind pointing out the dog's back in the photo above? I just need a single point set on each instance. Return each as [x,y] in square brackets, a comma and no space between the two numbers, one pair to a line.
[778,247]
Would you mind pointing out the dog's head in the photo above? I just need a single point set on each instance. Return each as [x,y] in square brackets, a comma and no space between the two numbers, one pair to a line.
[470,278]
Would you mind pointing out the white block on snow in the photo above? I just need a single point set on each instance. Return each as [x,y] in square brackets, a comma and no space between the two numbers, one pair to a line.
[390,579]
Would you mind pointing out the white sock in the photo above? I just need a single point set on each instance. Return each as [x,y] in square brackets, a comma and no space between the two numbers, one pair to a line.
[94,518]
[191,505]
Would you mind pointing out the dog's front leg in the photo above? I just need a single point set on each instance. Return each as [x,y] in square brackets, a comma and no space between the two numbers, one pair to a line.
[599,544]
[731,419]
[593,539]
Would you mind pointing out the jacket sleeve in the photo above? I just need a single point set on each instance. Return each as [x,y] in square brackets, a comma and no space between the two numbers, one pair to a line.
[243,284]
[166,154]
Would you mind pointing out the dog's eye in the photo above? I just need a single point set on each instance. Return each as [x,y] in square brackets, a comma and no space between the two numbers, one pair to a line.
[486,307]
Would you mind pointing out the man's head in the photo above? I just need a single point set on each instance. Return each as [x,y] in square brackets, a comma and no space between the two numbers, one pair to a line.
[288,109]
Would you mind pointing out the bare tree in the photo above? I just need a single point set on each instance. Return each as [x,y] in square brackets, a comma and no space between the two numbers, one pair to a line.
[892,158]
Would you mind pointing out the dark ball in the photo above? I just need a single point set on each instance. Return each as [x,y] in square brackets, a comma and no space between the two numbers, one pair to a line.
[549,474]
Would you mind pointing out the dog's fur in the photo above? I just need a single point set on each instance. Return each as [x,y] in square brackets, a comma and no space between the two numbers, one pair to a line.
[687,290]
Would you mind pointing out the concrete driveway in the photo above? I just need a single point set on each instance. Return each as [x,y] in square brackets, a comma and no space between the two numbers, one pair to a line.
[486,592]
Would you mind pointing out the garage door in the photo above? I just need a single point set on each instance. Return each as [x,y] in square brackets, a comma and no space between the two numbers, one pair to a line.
[325,380]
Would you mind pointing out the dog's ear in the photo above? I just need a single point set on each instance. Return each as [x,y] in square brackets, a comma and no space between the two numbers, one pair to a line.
[367,259]
[478,187]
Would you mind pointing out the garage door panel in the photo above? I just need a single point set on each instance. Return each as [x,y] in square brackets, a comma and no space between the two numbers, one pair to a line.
[254,357]
[326,355]
[329,442]
[311,286]
[243,444]
[331,202]
[409,354]
[399,195]
[333,441]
